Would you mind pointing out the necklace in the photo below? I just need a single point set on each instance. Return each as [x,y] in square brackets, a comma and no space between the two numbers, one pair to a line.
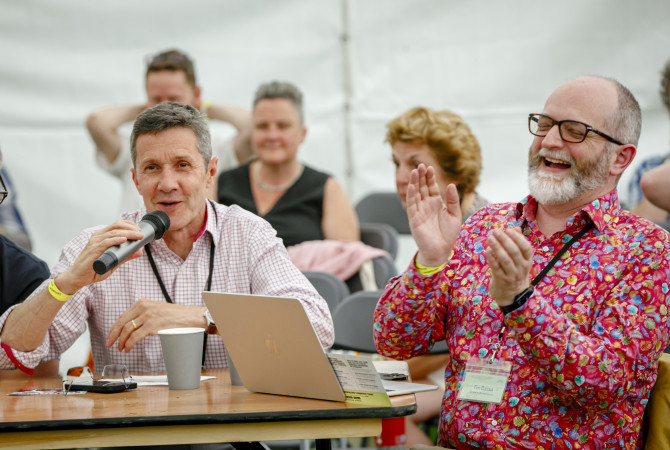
[275,187]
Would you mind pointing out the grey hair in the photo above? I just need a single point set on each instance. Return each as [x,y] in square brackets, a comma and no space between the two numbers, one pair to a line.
[167,115]
[626,121]
[280,89]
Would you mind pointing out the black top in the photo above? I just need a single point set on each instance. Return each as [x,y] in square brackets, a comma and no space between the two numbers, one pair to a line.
[20,273]
[297,214]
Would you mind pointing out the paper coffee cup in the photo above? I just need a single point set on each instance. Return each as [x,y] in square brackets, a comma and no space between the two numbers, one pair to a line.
[182,354]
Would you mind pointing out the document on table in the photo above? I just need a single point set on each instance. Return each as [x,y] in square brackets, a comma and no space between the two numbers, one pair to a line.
[359,379]
[152,380]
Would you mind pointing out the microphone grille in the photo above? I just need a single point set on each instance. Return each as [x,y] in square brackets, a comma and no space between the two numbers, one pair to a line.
[160,221]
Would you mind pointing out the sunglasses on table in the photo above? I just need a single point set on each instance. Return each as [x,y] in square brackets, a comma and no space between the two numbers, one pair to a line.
[115,378]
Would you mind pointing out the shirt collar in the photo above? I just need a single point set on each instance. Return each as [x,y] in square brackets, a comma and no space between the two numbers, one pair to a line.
[211,222]
[601,210]
[204,224]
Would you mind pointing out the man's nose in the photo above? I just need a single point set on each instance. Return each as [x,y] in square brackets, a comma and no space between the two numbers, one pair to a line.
[553,138]
[168,181]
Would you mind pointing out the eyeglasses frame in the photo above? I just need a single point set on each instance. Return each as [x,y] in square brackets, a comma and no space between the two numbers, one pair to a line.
[86,377]
[561,122]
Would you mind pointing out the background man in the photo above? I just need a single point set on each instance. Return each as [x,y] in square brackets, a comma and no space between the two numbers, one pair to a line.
[207,247]
[170,76]
[571,353]
[11,222]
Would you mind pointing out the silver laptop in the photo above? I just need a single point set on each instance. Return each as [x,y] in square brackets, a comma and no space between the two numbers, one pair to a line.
[275,349]
[273,345]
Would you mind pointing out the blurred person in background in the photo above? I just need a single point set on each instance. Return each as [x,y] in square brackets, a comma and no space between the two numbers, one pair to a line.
[301,203]
[170,76]
[11,222]
[656,187]
[640,203]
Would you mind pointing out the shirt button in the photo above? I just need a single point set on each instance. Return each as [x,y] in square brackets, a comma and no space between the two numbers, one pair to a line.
[182,269]
[494,422]
[545,248]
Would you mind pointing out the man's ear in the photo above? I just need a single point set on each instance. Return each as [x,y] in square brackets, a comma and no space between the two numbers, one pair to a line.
[197,92]
[211,170]
[623,157]
[303,134]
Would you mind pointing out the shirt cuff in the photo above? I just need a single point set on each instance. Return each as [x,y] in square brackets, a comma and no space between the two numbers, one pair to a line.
[25,361]
[9,353]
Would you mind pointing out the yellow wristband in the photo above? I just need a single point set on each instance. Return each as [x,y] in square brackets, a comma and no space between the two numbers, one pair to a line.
[56,293]
[426,271]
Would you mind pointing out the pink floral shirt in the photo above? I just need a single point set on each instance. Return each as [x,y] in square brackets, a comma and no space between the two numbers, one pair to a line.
[584,348]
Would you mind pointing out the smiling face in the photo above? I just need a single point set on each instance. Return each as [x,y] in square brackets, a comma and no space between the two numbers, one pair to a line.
[171,176]
[277,131]
[171,86]
[556,178]
[407,157]
[559,171]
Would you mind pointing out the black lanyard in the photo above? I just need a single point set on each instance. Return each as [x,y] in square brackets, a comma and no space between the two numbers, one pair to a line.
[560,253]
[209,279]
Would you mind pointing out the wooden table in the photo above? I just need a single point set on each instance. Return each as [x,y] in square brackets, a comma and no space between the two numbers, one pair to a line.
[217,412]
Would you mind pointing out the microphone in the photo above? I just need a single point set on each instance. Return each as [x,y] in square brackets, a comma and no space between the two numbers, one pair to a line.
[152,225]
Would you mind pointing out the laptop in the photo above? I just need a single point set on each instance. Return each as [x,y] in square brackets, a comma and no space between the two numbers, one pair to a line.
[275,349]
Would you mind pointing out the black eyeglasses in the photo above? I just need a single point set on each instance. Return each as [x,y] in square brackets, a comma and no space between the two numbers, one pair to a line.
[3,192]
[569,130]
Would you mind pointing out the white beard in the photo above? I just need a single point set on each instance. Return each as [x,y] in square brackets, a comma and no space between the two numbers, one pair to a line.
[555,189]
[550,189]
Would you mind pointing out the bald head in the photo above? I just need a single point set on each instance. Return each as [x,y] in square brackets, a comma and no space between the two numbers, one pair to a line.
[601,102]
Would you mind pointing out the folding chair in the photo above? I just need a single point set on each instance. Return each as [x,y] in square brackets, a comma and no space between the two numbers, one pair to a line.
[380,235]
[383,207]
[331,288]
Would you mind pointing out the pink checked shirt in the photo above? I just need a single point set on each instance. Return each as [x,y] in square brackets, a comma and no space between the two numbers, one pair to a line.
[584,348]
[249,259]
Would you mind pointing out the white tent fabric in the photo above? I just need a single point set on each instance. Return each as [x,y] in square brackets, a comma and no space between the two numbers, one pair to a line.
[359,63]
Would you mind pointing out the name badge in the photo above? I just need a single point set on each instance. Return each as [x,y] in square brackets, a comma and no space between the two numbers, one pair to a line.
[484,380]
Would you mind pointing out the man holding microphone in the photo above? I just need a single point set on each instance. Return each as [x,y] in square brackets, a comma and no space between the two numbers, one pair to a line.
[207,247]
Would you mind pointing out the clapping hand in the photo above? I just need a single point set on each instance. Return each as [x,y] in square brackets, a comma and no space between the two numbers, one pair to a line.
[509,256]
[434,224]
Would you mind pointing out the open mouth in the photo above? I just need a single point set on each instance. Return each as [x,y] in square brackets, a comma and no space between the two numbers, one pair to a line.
[556,163]
[168,204]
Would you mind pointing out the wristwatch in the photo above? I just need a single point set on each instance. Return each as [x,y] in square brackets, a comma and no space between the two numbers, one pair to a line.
[518,302]
[211,326]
